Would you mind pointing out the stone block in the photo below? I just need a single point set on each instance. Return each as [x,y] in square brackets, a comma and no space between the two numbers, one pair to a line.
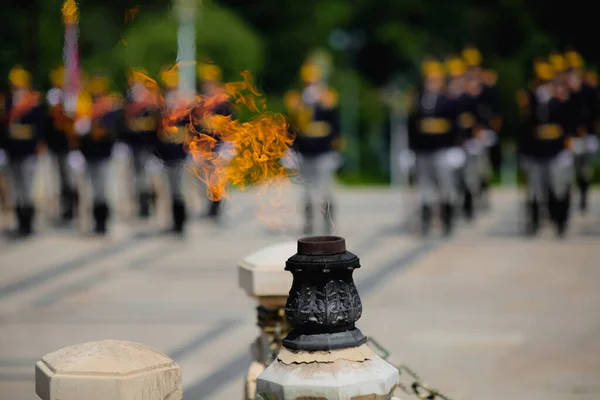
[108,369]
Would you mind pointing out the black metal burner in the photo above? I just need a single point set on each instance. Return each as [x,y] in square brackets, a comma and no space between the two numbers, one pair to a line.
[323,304]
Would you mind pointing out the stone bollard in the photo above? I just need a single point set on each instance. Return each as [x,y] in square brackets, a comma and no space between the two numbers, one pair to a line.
[325,356]
[107,369]
[263,277]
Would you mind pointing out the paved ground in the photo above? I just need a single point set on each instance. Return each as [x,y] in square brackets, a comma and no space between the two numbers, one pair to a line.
[487,314]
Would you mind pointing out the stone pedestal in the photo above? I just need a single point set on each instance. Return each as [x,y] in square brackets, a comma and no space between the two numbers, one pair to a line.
[263,277]
[108,369]
[325,357]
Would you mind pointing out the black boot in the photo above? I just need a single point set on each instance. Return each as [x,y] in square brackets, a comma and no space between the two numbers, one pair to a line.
[26,226]
[179,216]
[308,219]
[562,214]
[329,217]
[484,195]
[583,199]
[144,205]
[468,205]
[17,233]
[447,218]
[425,220]
[214,208]
[101,214]
[533,218]
[68,198]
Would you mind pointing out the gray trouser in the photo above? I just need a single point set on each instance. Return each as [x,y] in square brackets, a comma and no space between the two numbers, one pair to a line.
[436,179]
[21,175]
[545,175]
[317,174]
[141,156]
[65,176]
[472,172]
[98,173]
[175,177]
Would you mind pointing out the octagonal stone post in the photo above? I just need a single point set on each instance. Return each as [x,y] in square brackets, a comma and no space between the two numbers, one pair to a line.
[325,356]
[108,369]
[263,277]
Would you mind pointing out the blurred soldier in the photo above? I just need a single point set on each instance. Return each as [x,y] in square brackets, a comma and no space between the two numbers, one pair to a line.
[59,138]
[480,103]
[583,109]
[141,125]
[315,119]
[96,122]
[170,146]
[23,134]
[470,123]
[212,90]
[432,135]
[549,165]
[490,109]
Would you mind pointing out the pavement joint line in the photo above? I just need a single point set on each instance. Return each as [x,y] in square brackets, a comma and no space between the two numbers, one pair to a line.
[177,354]
[64,267]
[86,283]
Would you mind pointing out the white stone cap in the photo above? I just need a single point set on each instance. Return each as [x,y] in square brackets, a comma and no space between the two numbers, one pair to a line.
[108,369]
[339,380]
[262,273]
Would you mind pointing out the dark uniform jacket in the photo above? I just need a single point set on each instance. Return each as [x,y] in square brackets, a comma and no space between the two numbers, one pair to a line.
[432,123]
[141,125]
[23,127]
[58,128]
[546,127]
[98,144]
[316,129]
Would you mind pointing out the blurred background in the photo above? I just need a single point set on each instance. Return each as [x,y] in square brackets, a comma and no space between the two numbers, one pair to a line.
[372,47]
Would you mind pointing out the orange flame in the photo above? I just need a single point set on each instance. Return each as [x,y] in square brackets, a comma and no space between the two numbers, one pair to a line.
[257,145]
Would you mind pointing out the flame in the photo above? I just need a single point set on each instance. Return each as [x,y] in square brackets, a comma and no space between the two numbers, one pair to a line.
[70,12]
[227,151]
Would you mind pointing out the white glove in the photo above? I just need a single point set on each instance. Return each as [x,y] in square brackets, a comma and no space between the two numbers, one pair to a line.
[455,157]
[578,145]
[489,138]
[76,161]
[291,160]
[83,126]
[121,151]
[3,158]
[474,147]
[591,143]
[407,160]
[54,96]
[565,158]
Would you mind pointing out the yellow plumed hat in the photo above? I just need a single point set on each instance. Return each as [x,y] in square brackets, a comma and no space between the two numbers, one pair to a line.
[170,77]
[57,76]
[472,56]
[455,66]
[558,62]
[19,77]
[574,59]
[310,72]
[433,69]
[209,72]
[543,70]
[83,107]
[138,75]
[98,84]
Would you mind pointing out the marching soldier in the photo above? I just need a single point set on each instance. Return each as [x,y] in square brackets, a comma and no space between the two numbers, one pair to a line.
[583,108]
[170,148]
[59,139]
[432,135]
[314,118]
[210,88]
[549,164]
[96,122]
[22,136]
[141,125]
